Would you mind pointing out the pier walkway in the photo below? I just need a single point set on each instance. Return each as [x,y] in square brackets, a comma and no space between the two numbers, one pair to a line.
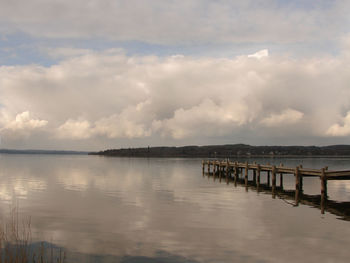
[235,170]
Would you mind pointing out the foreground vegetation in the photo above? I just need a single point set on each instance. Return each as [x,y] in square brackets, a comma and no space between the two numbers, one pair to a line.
[16,244]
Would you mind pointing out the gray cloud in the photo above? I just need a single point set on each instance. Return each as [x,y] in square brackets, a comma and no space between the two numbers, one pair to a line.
[96,99]
[178,22]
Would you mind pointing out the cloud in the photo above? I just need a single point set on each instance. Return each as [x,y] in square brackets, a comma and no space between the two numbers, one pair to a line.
[107,98]
[121,125]
[260,54]
[340,130]
[286,117]
[207,118]
[117,126]
[170,22]
[65,52]
[22,126]
[23,123]
[72,129]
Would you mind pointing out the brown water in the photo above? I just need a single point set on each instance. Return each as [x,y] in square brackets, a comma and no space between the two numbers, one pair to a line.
[163,210]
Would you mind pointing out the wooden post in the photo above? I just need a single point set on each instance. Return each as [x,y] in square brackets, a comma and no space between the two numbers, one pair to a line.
[274,181]
[301,180]
[297,185]
[246,174]
[227,180]
[258,179]
[323,190]
[254,173]
[236,169]
[227,168]
[281,181]
[281,178]
[268,178]
[236,173]
[215,169]
[203,167]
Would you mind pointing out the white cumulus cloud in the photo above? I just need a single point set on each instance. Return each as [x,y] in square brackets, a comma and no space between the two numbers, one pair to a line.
[260,54]
[74,129]
[340,130]
[286,117]
[207,118]
[104,98]
[116,126]
[22,123]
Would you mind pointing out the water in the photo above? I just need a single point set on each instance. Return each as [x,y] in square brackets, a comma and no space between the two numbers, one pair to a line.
[163,210]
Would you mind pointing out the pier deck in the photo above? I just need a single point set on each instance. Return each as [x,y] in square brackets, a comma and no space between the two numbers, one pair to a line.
[306,172]
[235,169]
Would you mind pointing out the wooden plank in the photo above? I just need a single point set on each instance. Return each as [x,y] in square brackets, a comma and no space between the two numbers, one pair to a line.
[337,173]
[339,178]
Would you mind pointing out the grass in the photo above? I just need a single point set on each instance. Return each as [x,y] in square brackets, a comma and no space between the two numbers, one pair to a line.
[16,244]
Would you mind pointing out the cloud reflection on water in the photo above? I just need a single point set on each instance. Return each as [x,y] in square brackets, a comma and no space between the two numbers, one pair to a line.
[136,207]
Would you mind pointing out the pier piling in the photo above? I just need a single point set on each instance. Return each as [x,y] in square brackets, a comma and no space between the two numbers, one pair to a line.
[299,172]
[297,185]
[234,169]
[273,181]
[258,174]
[323,189]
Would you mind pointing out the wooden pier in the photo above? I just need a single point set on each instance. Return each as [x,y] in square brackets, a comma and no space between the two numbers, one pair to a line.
[236,170]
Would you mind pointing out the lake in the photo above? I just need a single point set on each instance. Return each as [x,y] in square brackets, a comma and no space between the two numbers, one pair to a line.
[101,209]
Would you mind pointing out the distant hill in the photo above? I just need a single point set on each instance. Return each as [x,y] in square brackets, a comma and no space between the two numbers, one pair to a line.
[10,151]
[229,150]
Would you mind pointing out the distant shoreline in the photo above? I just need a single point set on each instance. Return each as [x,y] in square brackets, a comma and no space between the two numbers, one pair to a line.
[224,157]
[232,151]
[58,152]
[209,151]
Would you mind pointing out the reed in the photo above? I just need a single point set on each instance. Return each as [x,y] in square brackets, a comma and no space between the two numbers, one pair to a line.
[16,244]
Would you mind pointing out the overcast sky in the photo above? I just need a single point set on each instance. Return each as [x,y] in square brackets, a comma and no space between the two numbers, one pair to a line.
[98,74]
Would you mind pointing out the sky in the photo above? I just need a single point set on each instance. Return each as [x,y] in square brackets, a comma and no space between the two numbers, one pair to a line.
[100,74]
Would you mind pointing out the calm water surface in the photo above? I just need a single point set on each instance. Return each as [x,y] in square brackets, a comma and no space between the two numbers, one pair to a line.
[163,210]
